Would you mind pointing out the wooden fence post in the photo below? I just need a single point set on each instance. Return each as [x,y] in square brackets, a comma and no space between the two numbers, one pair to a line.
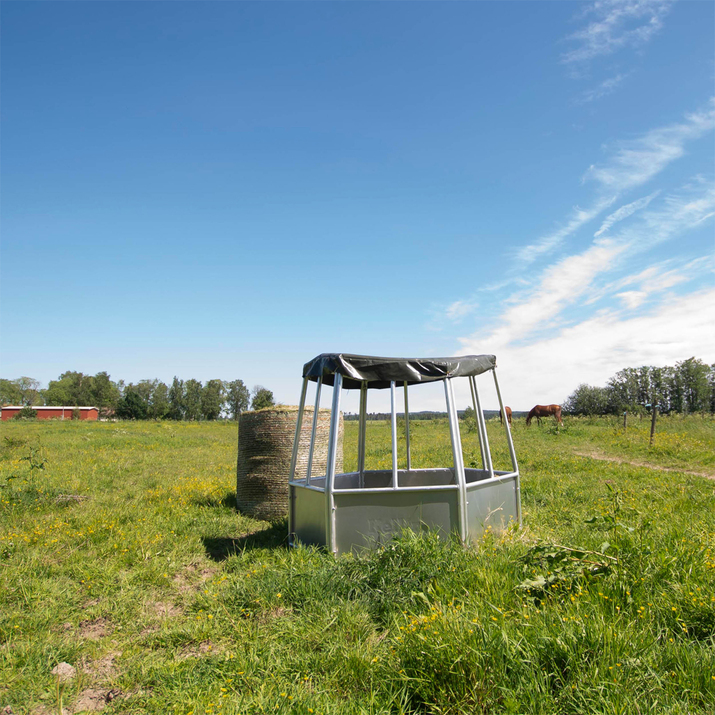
[654,410]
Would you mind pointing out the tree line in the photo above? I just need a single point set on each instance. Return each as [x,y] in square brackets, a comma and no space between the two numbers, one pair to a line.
[688,386]
[147,399]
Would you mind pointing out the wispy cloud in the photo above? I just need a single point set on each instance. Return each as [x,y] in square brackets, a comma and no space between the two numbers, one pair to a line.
[631,164]
[624,212]
[655,278]
[560,285]
[608,86]
[617,24]
[675,328]
[637,161]
[677,213]
[578,218]
[459,309]
[577,281]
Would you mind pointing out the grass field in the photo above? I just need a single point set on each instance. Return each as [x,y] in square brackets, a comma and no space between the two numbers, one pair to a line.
[121,555]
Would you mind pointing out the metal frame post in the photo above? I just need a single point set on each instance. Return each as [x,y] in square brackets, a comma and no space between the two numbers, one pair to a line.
[393,429]
[511,447]
[407,430]
[294,455]
[458,459]
[313,431]
[330,471]
[483,429]
[480,437]
[362,433]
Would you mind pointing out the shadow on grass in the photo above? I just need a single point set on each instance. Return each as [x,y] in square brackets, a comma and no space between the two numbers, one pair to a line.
[273,537]
[227,500]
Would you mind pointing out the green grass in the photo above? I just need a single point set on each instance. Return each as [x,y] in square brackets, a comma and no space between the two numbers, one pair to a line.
[122,555]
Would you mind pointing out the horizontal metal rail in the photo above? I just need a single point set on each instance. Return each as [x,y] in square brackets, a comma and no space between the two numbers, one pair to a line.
[431,487]
[493,480]
[402,490]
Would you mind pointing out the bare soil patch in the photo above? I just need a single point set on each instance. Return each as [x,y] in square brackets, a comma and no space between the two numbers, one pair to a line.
[164,609]
[638,463]
[193,577]
[103,668]
[93,700]
[196,651]
[64,672]
[95,629]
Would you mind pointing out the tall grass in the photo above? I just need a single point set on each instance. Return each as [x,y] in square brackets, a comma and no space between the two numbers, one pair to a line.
[122,555]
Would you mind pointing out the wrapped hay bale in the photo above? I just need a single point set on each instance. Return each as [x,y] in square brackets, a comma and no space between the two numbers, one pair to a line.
[265,448]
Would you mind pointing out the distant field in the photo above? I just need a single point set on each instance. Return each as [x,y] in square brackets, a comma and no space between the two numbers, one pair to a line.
[122,556]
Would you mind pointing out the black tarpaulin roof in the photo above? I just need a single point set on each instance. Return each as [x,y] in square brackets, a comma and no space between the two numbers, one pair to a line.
[380,371]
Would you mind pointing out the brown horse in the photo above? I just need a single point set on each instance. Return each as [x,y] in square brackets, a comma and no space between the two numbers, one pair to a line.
[507,409]
[540,411]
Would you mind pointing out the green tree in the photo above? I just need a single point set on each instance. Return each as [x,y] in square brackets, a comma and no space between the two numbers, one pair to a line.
[237,397]
[132,406]
[192,400]
[71,388]
[588,400]
[693,377]
[262,398]
[29,390]
[213,397]
[159,407]
[26,413]
[177,394]
[104,394]
[10,393]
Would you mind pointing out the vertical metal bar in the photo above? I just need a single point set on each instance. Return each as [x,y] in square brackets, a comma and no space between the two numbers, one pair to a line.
[407,430]
[330,472]
[483,426]
[313,431]
[506,423]
[294,456]
[458,460]
[511,449]
[298,425]
[363,433]
[393,425]
[477,422]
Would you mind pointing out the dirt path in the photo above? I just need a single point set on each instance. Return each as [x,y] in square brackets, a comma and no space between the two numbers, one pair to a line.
[619,460]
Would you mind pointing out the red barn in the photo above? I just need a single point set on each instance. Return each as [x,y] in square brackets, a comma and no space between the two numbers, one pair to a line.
[48,413]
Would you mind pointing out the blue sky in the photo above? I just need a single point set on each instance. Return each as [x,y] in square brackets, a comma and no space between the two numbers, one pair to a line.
[226,189]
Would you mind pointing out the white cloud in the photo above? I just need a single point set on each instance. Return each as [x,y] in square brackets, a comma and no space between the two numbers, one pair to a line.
[632,298]
[637,161]
[602,90]
[677,214]
[624,212]
[618,24]
[549,370]
[632,163]
[459,309]
[651,280]
[579,217]
[561,284]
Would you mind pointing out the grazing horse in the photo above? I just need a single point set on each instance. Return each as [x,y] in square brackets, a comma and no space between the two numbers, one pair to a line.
[507,409]
[540,411]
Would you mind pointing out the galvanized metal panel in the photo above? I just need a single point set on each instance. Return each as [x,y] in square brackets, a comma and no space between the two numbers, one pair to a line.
[382,478]
[308,515]
[368,519]
[491,503]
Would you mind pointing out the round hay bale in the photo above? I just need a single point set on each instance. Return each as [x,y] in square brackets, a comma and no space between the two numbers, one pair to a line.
[265,448]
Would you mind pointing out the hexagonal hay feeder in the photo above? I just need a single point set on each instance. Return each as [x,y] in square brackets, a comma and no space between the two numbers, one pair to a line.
[349,511]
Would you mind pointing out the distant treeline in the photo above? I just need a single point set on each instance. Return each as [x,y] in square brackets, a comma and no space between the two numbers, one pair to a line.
[147,399]
[427,415]
[688,386]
